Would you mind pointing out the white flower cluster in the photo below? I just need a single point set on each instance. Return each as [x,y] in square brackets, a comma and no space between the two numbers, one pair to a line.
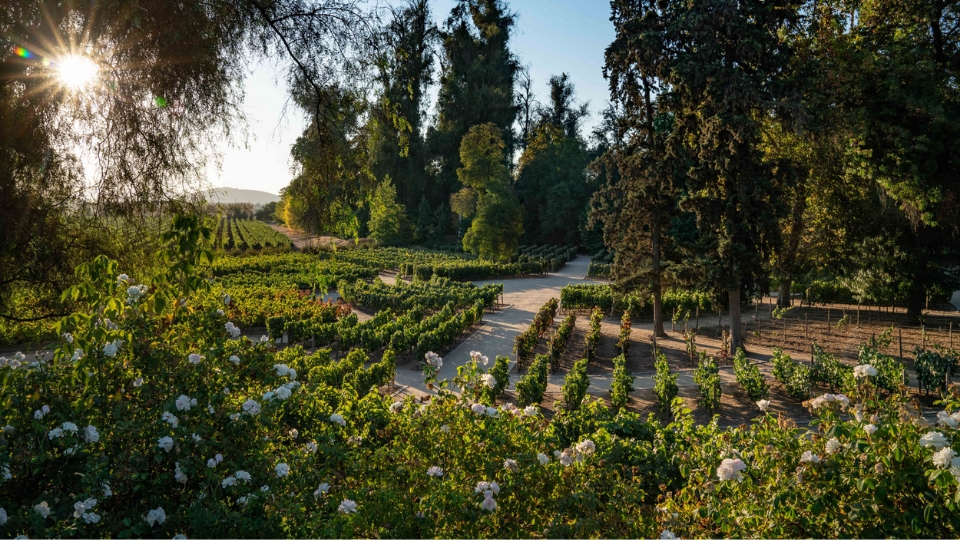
[488,380]
[178,474]
[569,455]
[827,400]
[832,446]
[5,473]
[195,358]
[434,360]
[251,407]
[80,511]
[156,516]
[242,476]
[232,329]
[347,506]
[511,465]
[214,461]
[18,359]
[235,359]
[110,349]
[135,292]
[42,509]
[489,489]
[322,490]
[763,404]
[479,358]
[283,392]
[170,418]
[282,470]
[184,403]
[166,443]
[338,419]
[730,469]
[934,439]
[66,427]
[435,471]
[951,421]
[864,370]
[41,412]
[809,457]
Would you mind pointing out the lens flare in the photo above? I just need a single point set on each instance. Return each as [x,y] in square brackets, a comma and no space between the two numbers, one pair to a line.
[76,72]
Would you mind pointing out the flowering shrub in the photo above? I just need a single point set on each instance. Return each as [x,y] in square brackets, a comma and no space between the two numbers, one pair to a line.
[290,444]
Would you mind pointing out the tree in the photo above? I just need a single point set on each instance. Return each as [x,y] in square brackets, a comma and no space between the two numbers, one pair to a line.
[165,90]
[497,217]
[476,85]
[388,221]
[404,73]
[552,181]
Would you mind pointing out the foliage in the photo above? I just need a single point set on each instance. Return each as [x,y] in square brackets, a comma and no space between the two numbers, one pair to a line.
[497,220]
[890,372]
[526,342]
[932,367]
[558,341]
[794,376]
[622,383]
[623,339]
[501,374]
[592,338]
[749,377]
[575,385]
[665,381]
[244,234]
[707,379]
[827,369]
[389,224]
[530,387]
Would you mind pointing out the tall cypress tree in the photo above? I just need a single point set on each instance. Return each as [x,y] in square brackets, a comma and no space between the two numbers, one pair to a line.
[476,85]
[404,72]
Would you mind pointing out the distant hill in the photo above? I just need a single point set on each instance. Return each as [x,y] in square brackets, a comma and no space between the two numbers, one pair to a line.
[228,195]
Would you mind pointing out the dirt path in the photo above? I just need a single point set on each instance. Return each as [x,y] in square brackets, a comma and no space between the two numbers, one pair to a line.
[303,240]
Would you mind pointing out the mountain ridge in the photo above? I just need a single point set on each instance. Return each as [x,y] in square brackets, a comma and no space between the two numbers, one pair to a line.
[228,195]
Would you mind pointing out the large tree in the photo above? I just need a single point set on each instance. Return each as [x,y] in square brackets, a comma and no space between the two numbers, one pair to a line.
[487,197]
[404,73]
[163,85]
[476,85]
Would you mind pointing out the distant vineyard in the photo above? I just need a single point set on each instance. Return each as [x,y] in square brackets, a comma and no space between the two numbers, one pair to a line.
[244,234]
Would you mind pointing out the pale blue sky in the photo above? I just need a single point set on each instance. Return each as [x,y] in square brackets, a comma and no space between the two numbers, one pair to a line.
[550,37]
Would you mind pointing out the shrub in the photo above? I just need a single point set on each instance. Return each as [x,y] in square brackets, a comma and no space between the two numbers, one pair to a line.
[749,377]
[623,340]
[794,376]
[665,381]
[592,338]
[707,378]
[530,387]
[559,340]
[621,385]
[276,326]
[890,372]
[575,385]
[828,369]
[932,368]
[501,373]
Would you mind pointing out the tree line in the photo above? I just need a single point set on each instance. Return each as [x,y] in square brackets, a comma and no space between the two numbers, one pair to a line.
[781,142]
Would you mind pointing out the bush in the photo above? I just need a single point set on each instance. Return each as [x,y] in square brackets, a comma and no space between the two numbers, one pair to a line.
[592,338]
[932,368]
[559,340]
[575,385]
[890,372]
[276,326]
[501,373]
[749,377]
[623,340]
[794,376]
[530,387]
[829,370]
[621,385]
[707,378]
[665,381]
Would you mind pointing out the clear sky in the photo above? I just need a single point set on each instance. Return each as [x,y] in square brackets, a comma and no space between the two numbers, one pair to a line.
[551,37]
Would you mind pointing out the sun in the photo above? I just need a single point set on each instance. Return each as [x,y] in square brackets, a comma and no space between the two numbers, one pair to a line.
[76,72]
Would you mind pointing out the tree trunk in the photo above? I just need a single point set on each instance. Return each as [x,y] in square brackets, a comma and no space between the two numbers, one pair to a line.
[736,338]
[783,298]
[657,283]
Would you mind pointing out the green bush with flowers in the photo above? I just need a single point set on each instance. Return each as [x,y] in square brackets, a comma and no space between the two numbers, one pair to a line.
[152,419]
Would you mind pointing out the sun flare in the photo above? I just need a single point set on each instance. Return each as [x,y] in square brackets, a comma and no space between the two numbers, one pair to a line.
[76,72]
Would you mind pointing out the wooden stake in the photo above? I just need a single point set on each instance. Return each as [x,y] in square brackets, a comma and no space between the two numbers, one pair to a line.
[806,327]
[698,316]
[828,321]
[858,315]
[951,335]
[923,337]
[900,332]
